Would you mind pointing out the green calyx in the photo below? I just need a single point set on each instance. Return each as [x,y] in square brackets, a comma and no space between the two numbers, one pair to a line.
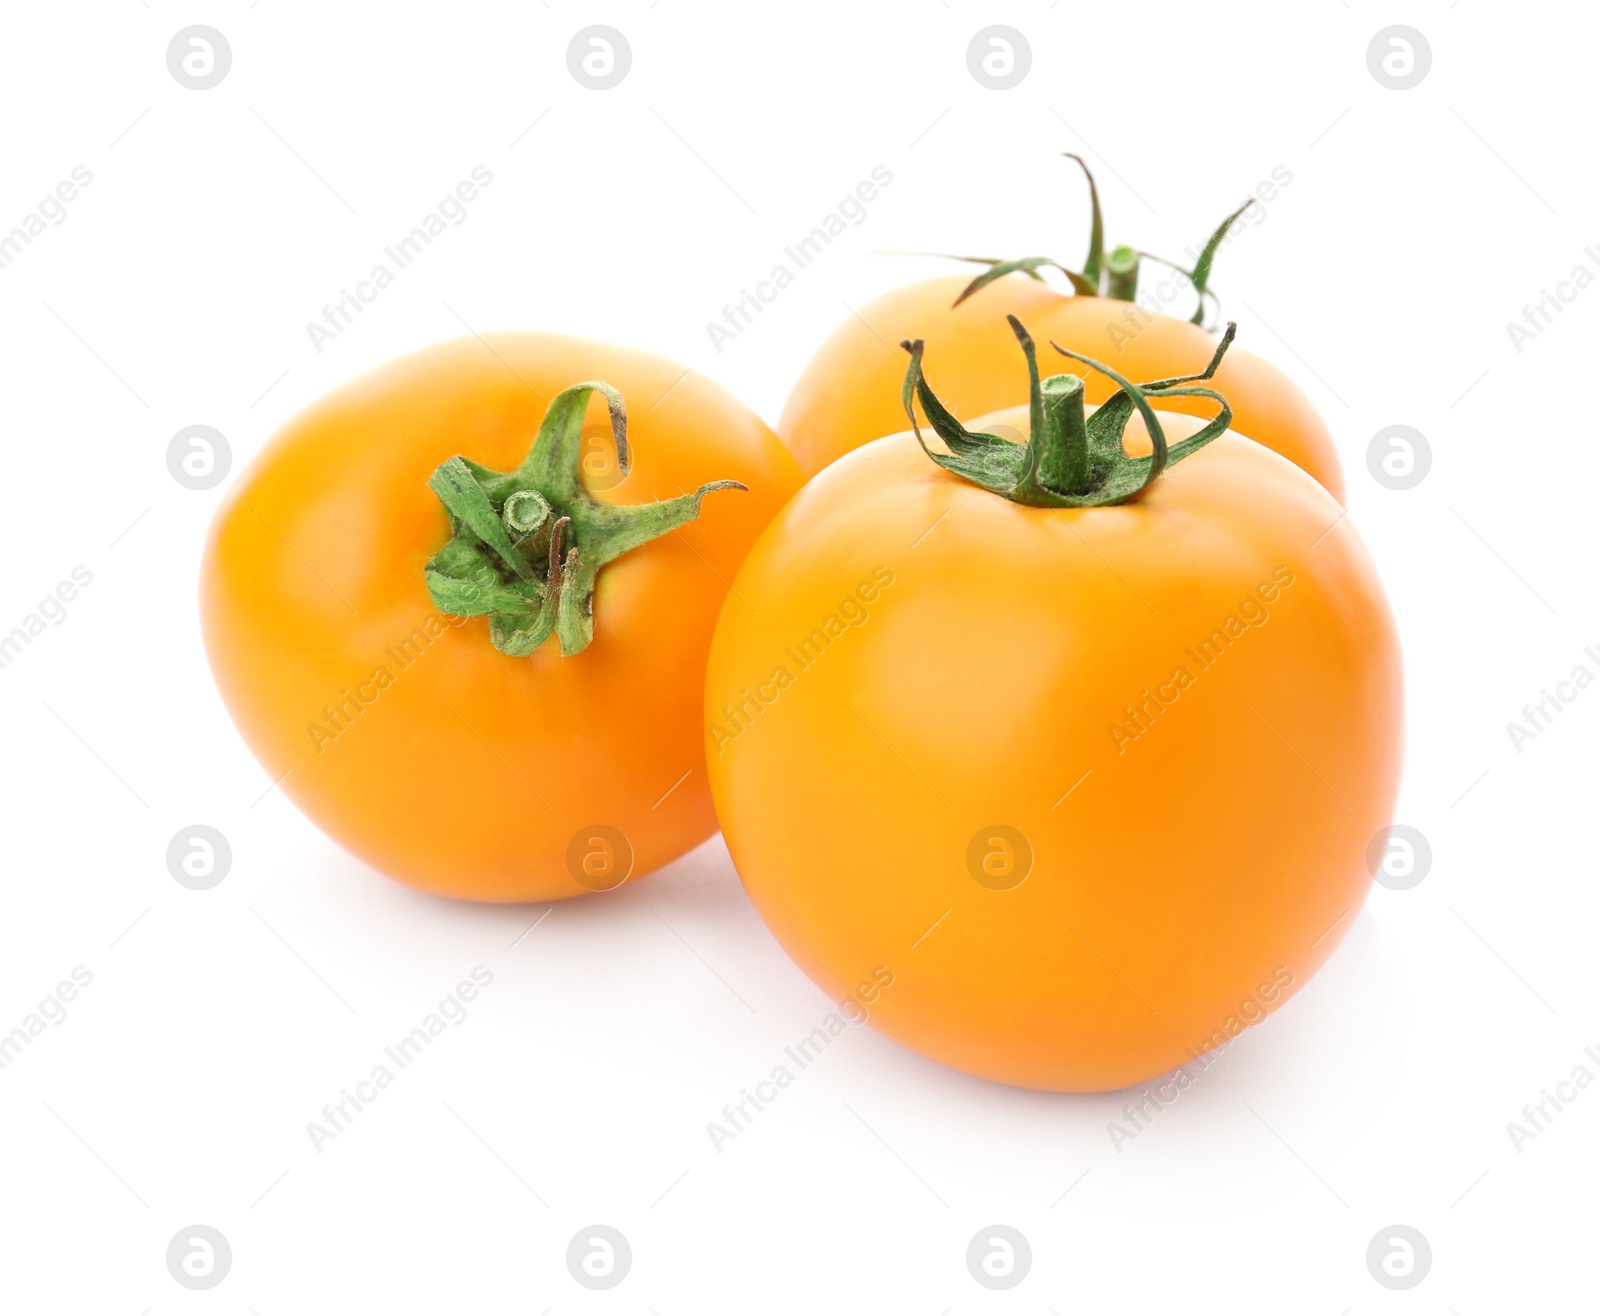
[526,545]
[1072,458]
[1105,274]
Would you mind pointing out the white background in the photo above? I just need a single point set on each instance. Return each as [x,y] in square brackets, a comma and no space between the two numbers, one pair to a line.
[218,1024]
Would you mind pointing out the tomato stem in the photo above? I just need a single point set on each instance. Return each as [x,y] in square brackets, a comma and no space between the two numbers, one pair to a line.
[1071,459]
[1202,266]
[1097,228]
[526,546]
[1114,274]
[525,511]
[1064,441]
[1029,265]
[1122,274]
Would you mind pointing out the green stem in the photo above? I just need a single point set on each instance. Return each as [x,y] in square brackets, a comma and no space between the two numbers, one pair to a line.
[526,546]
[1201,274]
[1063,439]
[1122,274]
[525,511]
[1097,231]
[1117,271]
[1069,460]
[1029,265]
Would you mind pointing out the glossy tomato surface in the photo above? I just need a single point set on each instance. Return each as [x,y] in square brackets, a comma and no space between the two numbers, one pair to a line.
[1095,786]
[401,731]
[849,393]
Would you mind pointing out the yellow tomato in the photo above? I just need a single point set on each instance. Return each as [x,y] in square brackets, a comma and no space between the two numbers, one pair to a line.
[849,393]
[400,729]
[1093,787]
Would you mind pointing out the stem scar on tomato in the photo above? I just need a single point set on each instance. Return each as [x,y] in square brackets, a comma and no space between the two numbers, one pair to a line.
[526,545]
[1071,459]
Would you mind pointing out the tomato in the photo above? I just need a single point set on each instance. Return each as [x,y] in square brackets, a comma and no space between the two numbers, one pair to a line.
[849,392]
[1090,786]
[412,735]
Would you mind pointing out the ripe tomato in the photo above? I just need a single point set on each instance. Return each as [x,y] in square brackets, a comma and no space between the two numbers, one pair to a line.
[849,392]
[1095,784]
[402,730]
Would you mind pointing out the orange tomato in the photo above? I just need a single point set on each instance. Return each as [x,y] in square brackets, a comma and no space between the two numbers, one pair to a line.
[399,729]
[849,393]
[1090,788]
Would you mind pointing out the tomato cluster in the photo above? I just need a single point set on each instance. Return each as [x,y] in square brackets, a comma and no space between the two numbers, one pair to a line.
[1074,721]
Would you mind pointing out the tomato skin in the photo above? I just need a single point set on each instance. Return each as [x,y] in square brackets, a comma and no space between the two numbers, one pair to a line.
[1184,880]
[849,393]
[441,761]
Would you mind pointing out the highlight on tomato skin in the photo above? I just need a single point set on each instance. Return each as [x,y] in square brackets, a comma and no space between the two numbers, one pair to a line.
[459,609]
[848,394]
[1091,767]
